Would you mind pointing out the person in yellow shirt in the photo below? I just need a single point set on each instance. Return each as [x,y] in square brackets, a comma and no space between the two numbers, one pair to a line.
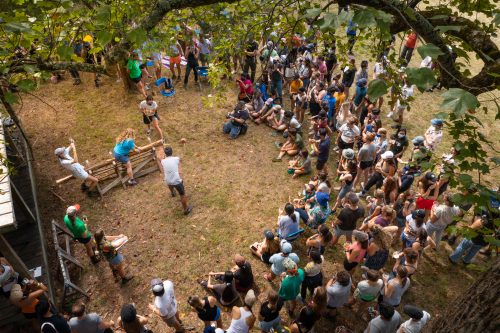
[340,99]
[295,85]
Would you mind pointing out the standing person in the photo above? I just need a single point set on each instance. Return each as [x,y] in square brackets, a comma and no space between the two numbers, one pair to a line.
[277,82]
[351,34]
[50,320]
[387,322]
[348,76]
[170,167]
[417,321]
[77,170]
[313,273]
[442,215]
[149,110]
[269,313]
[130,321]
[79,230]
[207,310]
[356,251]
[409,46]
[294,89]
[337,291]
[290,284]
[242,318]
[366,158]
[251,52]
[82,322]
[124,145]
[165,304]
[246,88]
[347,218]
[205,49]
[321,149]
[113,257]
[192,53]
[434,134]
[26,298]
[359,95]
[414,224]
[395,288]
[135,73]
[175,54]
[348,133]
[363,72]
[368,290]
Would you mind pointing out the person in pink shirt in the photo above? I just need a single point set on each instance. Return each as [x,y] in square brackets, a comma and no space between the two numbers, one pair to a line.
[410,43]
[322,68]
[246,88]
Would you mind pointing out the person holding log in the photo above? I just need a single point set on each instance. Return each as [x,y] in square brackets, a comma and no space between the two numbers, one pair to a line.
[81,234]
[124,145]
[76,169]
[170,169]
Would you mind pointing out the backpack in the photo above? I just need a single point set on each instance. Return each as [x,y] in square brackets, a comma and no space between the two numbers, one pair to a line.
[49,324]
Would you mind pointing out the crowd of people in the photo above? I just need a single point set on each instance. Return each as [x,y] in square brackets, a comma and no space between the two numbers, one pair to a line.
[366,183]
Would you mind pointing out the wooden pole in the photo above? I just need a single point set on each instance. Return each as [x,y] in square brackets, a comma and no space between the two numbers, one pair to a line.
[13,258]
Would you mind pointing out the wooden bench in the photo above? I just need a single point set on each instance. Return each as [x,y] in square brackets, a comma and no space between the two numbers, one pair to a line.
[112,173]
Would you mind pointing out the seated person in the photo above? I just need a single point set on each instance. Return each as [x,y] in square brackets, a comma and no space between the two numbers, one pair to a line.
[265,249]
[300,165]
[292,146]
[276,119]
[288,221]
[256,104]
[243,275]
[168,87]
[318,213]
[225,291]
[291,123]
[236,121]
[260,115]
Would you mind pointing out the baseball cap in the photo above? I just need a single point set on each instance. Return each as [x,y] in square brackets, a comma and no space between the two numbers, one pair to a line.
[322,198]
[156,285]
[348,153]
[59,151]
[375,111]
[71,210]
[268,234]
[250,297]
[360,235]
[362,82]
[437,122]
[387,155]
[413,312]
[418,213]
[286,247]
[430,176]
[418,140]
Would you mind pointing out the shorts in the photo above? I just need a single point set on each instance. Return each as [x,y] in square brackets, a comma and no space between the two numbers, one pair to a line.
[170,321]
[344,145]
[320,164]
[365,164]
[175,60]
[116,260]
[83,240]
[136,79]
[179,187]
[339,232]
[149,119]
[79,172]
[266,326]
[121,158]
[349,266]
[424,203]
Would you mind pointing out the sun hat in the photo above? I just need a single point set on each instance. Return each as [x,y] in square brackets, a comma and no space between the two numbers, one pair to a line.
[71,210]
[418,213]
[289,264]
[387,155]
[430,176]
[418,140]
[348,153]
[322,198]
[156,285]
[362,82]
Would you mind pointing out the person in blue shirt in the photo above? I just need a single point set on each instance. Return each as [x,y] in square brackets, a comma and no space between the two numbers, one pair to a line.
[359,95]
[124,145]
[331,101]
[351,34]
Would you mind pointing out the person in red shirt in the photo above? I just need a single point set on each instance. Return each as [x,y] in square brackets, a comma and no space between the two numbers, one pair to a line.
[410,43]
[246,88]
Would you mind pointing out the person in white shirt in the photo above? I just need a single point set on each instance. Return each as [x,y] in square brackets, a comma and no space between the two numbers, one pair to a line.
[77,170]
[418,318]
[149,110]
[165,304]
[401,103]
[205,46]
[434,134]
[441,216]
[169,167]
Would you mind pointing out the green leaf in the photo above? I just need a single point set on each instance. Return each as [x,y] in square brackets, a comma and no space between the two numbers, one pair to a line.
[329,22]
[364,18]
[17,27]
[430,50]
[496,19]
[104,37]
[376,89]
[423,78]
[10,98]
[312,12]
[465,179]
[459,101]
[445,28]
[26,85]
[137,36]
[95,50]
[65,52]
[410,12]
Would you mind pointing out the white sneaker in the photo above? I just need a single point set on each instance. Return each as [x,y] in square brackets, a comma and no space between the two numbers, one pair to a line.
[389,115]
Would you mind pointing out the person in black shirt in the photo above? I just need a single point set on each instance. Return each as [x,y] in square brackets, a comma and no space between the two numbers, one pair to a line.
[207,309]
[399,143]
[321,148]
[348,216]
[250,63]
[269,313]
[236,123]
[242,274]
[348,76]
[50,320]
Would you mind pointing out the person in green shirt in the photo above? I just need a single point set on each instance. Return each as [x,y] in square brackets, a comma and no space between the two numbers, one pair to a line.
[134,71]
[292,146]
[79,230]
[290,285]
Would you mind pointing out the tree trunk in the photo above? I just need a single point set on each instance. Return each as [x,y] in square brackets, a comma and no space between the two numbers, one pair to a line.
[477,310]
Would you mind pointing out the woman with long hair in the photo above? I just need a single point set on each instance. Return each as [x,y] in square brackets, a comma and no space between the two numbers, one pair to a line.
[288,221]
[269,246]
[390,188]
[407,259]
[377,252]
[428,192]
[347,180]
[110,253]
[313,273]
[395,288]
[356,251]
[79,230]
[225,292]
[130,321]
[207,310]
[124,145]
[385,167]
[269,313]
[403,206]
[384,219]
[320,240]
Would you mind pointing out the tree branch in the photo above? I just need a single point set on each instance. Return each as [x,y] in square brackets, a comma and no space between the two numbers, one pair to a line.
[18,66]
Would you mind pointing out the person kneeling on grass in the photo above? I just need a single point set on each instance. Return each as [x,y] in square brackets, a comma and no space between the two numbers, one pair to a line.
[124,145]
[292,146]
[111,254]
[236,124]
[171,173]
[76,169]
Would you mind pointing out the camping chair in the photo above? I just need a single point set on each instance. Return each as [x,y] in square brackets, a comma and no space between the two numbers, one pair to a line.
[202,73]
[163,84]
[294,235]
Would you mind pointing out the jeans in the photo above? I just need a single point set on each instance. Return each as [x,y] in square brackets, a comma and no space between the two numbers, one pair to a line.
[277,88]
[231,129]
[466,247]
[407,53]
[303,214]
[250,64]
[435,232]
[190,67]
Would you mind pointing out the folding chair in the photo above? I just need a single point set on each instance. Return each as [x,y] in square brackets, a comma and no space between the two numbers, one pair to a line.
[163,83]
[202,73]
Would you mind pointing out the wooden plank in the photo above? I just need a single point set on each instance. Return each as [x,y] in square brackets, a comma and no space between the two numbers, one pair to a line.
[24,205]
[13,258]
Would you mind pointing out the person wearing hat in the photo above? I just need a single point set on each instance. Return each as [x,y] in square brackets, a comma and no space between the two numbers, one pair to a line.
[427,192]
[320,211]
[27,299]
[366,158]
[347,219]
[170,167]
[359,94]
[399,143]
[414,223]
[385,167]
[78,229]
[165,304]
[420,153]
[277,260]
[434,134]
[77,170]
[290,284]
[130,322]
[417,321]
[242,318]
[268,247]
[355,252]
[387,321]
